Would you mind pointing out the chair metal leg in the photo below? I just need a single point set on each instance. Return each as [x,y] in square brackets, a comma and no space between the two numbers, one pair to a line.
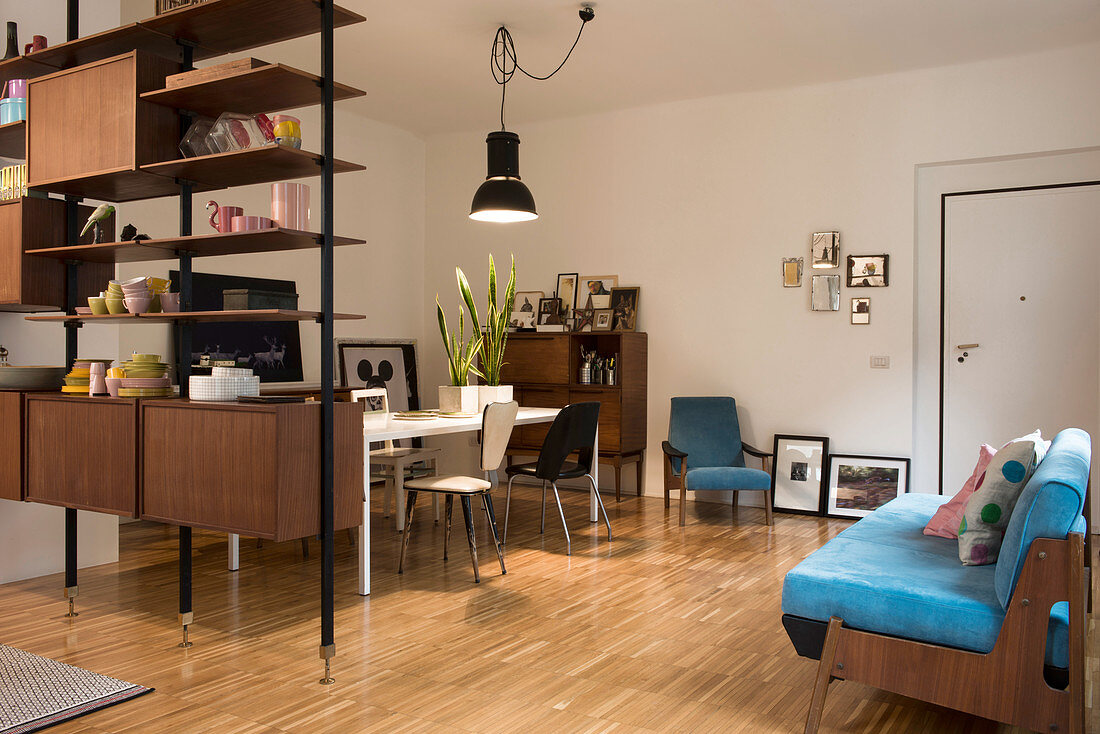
[487,503]
[468,515]
[568,543]
[507,508]
[447,530]
[542,521]
[641,473]
[409,502]
[606,519]
[399,491]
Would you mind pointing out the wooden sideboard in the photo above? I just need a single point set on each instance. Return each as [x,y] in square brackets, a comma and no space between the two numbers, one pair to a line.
[545,368]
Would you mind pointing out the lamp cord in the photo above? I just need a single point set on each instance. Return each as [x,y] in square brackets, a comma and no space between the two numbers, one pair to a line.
[504,62]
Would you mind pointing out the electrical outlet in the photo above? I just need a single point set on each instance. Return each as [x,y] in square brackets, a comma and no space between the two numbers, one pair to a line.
[880,361]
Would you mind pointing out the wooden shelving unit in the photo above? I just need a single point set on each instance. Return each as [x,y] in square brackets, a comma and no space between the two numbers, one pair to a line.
[199,245]
[265,314]
[213,28]
[267,88]
[13,140]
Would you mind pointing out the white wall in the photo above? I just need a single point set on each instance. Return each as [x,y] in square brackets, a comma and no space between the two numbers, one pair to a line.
[32,537]
[698,201]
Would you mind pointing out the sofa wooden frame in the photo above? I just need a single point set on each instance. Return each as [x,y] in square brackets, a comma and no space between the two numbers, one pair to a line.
[1006,684]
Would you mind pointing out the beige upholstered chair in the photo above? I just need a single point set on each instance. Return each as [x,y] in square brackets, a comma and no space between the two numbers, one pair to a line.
[396,464]
[496,429]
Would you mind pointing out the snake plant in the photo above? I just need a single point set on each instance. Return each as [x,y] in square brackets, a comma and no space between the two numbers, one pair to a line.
[460,353]
[496,321]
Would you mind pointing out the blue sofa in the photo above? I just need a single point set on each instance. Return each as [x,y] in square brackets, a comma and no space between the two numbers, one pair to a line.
[884,604]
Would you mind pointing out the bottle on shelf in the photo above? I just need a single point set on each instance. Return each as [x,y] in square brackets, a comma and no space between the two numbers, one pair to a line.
[13,41]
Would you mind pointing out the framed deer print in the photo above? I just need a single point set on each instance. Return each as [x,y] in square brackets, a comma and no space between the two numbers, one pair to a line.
[272,350]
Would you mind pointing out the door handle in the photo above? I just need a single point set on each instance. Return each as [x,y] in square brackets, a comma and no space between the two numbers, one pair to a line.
[967,346]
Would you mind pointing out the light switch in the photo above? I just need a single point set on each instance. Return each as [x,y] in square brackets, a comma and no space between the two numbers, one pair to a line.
[880,361]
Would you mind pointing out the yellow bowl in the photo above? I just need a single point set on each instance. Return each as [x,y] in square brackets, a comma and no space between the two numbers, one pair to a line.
[138,357]
[116,372]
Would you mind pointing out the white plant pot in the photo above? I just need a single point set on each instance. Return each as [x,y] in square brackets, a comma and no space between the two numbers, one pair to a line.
[458,399]
[493,394]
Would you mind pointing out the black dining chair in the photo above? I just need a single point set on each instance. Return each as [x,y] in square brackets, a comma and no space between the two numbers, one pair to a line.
[573,431]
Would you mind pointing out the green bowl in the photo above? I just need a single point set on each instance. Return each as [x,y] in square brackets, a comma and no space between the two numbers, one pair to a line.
[115,305]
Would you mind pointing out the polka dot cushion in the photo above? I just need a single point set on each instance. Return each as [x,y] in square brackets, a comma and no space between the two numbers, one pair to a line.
[990,506]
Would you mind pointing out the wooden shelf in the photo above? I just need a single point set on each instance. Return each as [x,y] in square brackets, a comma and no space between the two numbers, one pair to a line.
[201,245]
[242,167]
[13,140]
[207,173]
[215,27]
[267,314]
[268,88]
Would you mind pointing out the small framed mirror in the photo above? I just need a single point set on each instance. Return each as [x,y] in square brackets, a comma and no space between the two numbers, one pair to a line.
[825,293]
[792,272]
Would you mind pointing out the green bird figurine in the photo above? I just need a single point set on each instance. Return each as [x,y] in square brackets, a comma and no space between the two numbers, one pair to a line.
[101,212]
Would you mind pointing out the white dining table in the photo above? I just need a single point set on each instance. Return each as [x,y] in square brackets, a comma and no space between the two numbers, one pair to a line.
[387,427]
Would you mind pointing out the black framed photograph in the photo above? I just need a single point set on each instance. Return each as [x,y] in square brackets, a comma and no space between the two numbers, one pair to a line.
[859,485]
[624,306]
[801,468]
[388,363]
[567,291]
[602,319]
[868,271]
[825,249]
[549,312]
[861,310]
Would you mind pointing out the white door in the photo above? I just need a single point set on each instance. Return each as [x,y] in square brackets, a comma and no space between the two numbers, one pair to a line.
[1022,320]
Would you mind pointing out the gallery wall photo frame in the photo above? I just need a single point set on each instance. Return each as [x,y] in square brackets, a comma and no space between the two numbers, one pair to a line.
[800,474]
[861,311]
[792,272]
[825,250]
[868,271]
[825,293]
[859,484]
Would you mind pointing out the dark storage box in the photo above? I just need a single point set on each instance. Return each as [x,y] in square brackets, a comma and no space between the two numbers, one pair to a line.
[243,299]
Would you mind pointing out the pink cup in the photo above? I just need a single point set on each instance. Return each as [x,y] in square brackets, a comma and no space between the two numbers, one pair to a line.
[97,384]
[222,217]
[15,88]
[290,205]
[249,223]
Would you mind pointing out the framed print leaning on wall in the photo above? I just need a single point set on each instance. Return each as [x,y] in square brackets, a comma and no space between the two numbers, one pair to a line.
[859,485]
[801,467]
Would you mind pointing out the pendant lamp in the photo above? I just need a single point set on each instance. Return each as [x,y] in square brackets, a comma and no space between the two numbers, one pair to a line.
[503,197]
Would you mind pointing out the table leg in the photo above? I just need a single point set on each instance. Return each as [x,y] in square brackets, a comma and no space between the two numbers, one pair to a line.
[364,529]
[234,552]
[593,500]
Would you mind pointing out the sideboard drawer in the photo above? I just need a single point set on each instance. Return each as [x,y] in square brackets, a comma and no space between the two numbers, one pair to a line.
[543,358]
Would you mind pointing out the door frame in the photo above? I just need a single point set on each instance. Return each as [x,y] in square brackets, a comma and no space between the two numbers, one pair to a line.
[944,197]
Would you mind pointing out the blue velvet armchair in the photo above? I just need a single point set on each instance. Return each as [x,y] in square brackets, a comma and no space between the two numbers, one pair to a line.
[704,451]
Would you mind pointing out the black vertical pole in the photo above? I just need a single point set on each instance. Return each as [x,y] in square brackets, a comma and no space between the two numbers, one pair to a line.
[328,642]
[183,360]
[72,32]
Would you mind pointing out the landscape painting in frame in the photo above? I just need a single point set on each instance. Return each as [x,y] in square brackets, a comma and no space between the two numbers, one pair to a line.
[859,485]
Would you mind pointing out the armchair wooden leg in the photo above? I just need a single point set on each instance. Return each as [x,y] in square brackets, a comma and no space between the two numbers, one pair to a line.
[733,501]
[768,507]
[618,479]
[640,474]
[409,502]
[824,675]
[683,499]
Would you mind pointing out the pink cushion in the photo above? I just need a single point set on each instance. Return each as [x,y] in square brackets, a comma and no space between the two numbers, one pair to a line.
[945,523]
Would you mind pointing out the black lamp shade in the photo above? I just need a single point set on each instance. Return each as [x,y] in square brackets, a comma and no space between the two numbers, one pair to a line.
[503,197]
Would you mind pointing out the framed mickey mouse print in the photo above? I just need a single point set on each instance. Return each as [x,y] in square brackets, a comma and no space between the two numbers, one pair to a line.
[388,363]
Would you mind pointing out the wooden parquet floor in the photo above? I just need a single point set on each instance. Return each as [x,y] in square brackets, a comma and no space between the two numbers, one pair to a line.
[664,629]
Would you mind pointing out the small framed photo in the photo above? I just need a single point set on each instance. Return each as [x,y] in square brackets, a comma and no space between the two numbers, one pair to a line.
[825,293]
[567,291]
[624,304]
[522,320]
[825,249]
[868,271]
[595,291]
[858,485]
[801,468]
[549,312]
[792,272]
[602,319]
[583,318]
[527,300]
[861,310]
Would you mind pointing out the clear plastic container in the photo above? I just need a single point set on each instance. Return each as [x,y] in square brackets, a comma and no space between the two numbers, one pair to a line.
[194,140]
[234,131]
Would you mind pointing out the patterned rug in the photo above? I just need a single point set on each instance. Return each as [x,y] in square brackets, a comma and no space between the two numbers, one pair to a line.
[36,692]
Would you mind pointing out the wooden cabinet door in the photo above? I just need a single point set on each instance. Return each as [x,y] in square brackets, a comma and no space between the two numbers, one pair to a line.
[11,445]
[541,397]
[542,358]
[610,412]
[11,252]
